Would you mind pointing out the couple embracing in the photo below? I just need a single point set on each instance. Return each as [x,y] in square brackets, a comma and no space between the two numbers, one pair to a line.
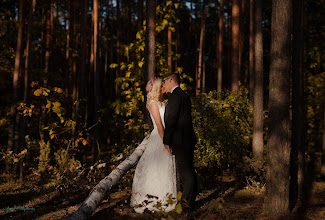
[166,166]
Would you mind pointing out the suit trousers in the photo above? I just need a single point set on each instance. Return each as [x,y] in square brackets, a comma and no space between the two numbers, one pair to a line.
[186,176]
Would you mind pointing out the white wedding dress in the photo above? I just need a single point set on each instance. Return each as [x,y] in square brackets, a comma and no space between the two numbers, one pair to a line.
[154,182]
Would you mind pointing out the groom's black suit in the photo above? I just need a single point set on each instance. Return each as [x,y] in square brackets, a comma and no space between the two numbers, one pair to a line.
[179,135]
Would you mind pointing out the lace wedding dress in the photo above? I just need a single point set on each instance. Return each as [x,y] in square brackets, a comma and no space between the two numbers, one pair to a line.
[154,183]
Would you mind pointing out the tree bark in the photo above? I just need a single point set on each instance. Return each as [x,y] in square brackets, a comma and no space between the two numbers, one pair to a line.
[278,156]
[251,50]
[118,29]
[298,109]
[151,43]
[241,38]
[140,15]
[100,191]
[258,116]
[96,82]
[13,109]
[27,51]
[26,79]
[169,59]
[322,172]
[201,55]
[14,128]
[220,46]
[235,45]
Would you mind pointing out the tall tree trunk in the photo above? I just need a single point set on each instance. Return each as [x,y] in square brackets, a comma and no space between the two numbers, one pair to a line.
[298,108]
[220,46]
[251,50]
[140,15]
[241,37]
[83,61]
[118,29]
[201,55]
[27,51]
[170,51]
[278,156]
[235,45]
[150,38]
[14,126]
[81,99]
[322,172]
[96,82]
[74,46]
[67,53]
[258,116]
[26,77]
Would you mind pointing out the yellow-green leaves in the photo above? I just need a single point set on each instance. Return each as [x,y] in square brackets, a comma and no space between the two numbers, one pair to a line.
[42,91]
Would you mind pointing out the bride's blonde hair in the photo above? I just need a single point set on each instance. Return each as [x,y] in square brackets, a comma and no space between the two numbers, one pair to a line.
[153,90]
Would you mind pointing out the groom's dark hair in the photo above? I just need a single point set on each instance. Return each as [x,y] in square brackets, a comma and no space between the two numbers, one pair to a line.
[175,77]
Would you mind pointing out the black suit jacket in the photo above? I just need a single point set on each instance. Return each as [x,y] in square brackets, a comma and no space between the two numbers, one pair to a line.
[179,133]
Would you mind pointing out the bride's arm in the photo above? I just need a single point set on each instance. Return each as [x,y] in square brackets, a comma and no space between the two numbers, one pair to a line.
[154,110]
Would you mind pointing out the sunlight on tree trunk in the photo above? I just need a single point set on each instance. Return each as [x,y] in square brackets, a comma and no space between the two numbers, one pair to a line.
[220,46]
[99,193]
[150,38]
[258,116]
[251,50]
[201,54]
[278,156]
[235,45]
[96,83]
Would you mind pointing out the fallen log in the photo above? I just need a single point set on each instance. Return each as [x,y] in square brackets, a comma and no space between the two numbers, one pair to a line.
[97,195]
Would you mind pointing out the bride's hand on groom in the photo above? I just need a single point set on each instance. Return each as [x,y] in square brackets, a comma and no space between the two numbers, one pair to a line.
[168,149]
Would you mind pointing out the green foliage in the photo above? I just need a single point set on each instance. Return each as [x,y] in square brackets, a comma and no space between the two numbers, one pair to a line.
[224,128]
[132,68]
[57,151]
[66,167]
[44,159]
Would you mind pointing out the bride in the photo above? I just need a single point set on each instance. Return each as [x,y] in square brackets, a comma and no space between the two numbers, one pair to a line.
[154,183]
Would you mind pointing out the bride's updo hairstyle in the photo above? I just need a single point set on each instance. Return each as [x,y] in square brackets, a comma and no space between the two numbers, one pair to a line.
[153,90]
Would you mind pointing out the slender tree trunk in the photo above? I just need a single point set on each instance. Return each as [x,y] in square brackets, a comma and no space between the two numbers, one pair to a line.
[323,153]
[169,59]
[201,55]
[27,51]
[251,50]
[220,46]
[26,78]
[74,46]
[67,53]
[14,116]
[235,45]
[151,44]
[258,116]
[241,37]
[298,108]
[140,15]
[96,82]
[278,156]
[118,25]
[83,61]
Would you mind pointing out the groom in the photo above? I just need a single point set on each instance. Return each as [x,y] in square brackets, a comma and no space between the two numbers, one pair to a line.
[179,137]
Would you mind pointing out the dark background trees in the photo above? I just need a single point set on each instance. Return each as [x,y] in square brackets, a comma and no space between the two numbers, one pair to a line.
[72,78]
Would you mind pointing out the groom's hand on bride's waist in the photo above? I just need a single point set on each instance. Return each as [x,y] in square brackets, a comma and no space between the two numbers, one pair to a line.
[168,149]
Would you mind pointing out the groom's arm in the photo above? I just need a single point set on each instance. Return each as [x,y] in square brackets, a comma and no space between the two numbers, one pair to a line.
[171,118]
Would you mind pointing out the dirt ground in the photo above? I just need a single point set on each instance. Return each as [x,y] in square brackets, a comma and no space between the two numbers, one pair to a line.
[229,199]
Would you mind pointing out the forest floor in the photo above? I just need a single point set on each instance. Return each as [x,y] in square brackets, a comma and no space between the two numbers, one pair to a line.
[226,199]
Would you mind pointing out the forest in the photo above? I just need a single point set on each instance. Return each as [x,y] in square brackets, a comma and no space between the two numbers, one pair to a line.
[73,104]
